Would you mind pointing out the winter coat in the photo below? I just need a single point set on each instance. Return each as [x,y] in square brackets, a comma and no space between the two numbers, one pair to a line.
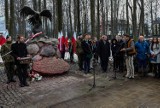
[120,45]
[103,49]
[19,50]
[142,49]
[155,51]
[114,47]
[87,48]
[79,49]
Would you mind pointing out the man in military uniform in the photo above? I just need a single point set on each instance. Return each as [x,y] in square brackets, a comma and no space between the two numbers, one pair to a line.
[80,52]
[8,60]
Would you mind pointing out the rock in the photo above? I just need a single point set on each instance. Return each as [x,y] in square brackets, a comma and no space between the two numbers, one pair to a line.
[37,58]
[50,66]
[40,44]
[33,48]
[48,51]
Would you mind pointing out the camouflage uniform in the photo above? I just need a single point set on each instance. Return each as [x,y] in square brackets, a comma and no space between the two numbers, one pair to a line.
[80,54]
[8,60]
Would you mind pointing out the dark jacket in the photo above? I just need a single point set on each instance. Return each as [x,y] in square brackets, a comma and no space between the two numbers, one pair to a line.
[103,49]
[87,47]
[70,48]
[19,50]
[121,45]
[114,47]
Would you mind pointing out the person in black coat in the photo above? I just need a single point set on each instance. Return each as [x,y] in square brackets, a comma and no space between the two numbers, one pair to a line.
[104,52]
[70,44]
[19,50]
[120,55]
[114,48]
[87,49]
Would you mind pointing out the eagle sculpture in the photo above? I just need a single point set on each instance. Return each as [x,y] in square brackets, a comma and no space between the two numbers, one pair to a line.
[34,18]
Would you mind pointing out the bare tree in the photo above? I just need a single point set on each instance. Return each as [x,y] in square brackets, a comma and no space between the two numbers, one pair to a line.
[127,17]
[141,22]
[92,5]
[98,19]
[59,15]
[12,19]
[7,14]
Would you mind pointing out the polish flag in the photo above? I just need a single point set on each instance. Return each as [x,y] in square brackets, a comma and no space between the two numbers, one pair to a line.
[74,38]
[66,41]
[2,39]
[61,40]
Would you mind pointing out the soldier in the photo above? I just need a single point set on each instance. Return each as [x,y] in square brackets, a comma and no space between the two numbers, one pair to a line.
[8,60]
[80,52]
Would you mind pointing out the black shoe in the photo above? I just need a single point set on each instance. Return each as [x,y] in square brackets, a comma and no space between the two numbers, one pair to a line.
[13,80]
[8,82]
[80,69]
[85,72]
[104,71]
[21,85]
[26,84]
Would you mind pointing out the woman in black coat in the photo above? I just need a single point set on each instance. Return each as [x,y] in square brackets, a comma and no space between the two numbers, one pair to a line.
[114,48]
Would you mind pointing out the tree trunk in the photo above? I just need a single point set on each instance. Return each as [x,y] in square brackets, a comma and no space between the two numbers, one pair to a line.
[53,19]
[59,15]
[112,20]
[103,18]
[85,16]
[92,7]
[78,17]
[127,17]
[152,18]
[70,16]
[39,5]
[106,22]
[23,21]
[75,15]
[98,20]
[45,20]
[12,19]
[134,19]
[141,24]
[6,14]
[34,4]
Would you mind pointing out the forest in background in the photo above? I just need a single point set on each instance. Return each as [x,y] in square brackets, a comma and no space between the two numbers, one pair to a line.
[110,17]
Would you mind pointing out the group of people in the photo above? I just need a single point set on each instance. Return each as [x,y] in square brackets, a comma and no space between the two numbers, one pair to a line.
[128,55]
[12,53]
